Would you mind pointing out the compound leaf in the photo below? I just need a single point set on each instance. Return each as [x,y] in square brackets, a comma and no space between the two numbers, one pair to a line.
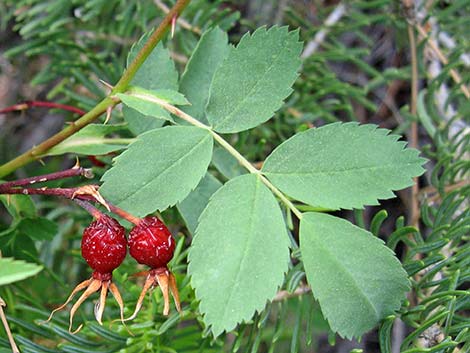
[239,254]
[254,79]
[343,166]
[159,169]
[355,277]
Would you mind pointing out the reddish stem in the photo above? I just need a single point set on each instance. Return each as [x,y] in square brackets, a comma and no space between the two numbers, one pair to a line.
[89,208]
[62,192]
[124,214]
[75,171]
[73,194]
[96,162]
[51,105]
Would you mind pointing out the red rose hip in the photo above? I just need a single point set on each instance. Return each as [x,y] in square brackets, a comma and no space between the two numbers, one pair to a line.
[151,243]
[104,245]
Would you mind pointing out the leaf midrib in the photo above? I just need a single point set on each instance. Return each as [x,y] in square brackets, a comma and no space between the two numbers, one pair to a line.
[249,240]
[344,268]
[347,170]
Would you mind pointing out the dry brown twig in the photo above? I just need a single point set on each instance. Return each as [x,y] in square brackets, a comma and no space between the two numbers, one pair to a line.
[313,45]
[14,347]
[443,59]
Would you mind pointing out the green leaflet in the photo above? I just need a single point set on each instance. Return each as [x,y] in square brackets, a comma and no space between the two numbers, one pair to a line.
[195,83]
[157,72]
[12,270]
[38,228]
[355,277]
[343,166]
[226,163]
[19,206]
[148,102]
[254,79]
[193,205]
[91,140]
[156,95]
[240,253]
[159,169]
[147,109]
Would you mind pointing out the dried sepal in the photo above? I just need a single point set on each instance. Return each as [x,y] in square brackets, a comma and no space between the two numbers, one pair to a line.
[101,303]
[91,286]
[174,292]
[91,190]
[167,282]
[77,289]
[149,283]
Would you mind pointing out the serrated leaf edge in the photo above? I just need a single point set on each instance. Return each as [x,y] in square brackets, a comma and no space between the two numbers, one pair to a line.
[259,308]
[396,303]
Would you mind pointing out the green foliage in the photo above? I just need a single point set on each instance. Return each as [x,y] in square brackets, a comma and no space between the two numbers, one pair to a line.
[322,166]
[239,254]
[357,280]
[176,159]
[19,206]
[226,164]
[350,76]
[260,70]
[157,72]
[92,140]
[16,270]
[143,101]
[38,228]
[196,80]
[193,205]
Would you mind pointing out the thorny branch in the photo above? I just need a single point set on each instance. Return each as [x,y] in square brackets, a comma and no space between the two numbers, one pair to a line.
[106,104]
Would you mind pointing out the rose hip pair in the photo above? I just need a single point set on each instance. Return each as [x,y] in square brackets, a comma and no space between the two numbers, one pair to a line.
[104,247]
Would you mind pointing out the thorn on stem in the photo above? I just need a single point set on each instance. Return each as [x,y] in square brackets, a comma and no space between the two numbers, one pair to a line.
[77,163]
[109,110]
[106,84]
[173,25]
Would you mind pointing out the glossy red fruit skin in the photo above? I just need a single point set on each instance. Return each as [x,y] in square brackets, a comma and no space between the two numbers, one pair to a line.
[104,245]
[151,243]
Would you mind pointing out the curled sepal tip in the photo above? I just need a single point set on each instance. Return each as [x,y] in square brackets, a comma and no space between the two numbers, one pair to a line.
[167,282]
[91,286]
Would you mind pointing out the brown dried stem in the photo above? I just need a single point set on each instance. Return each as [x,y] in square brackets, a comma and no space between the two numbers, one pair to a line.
[414,205]
[442,58]
[14,347]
